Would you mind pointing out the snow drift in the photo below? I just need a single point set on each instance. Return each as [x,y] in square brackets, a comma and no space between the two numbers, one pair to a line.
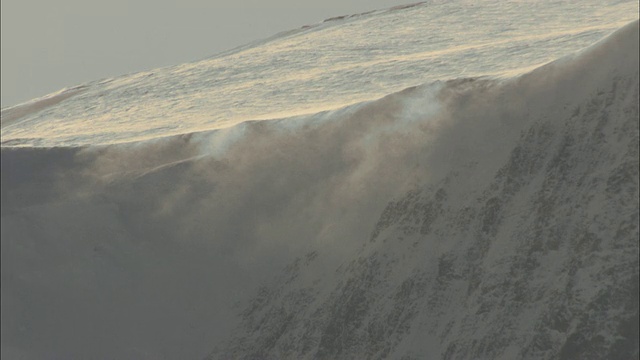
[472,218]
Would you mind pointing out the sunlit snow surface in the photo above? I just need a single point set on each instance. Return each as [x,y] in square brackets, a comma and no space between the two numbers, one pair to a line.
[322,66]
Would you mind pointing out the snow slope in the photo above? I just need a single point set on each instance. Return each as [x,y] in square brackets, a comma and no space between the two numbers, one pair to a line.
[319,67]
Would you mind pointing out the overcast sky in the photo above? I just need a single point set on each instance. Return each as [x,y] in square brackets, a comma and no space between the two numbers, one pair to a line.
[48,45]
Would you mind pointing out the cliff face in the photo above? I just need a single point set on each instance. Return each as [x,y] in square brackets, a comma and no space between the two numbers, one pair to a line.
[526,247]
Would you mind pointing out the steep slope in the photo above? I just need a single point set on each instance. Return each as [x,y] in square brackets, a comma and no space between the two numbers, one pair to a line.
[520,241]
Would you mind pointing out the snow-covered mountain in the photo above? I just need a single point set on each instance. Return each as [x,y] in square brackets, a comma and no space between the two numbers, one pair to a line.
[525,246]
[470,217]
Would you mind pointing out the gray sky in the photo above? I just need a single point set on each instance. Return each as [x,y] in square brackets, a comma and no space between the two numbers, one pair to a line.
[48,45]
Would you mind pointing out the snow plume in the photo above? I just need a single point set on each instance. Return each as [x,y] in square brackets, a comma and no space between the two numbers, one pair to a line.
[152,243]
[168,248]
